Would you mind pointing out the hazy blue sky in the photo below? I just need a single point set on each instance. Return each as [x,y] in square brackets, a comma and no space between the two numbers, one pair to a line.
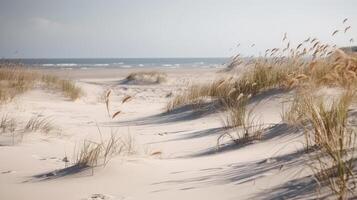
[165,28]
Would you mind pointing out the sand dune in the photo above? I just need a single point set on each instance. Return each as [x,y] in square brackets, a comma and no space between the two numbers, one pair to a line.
[174,155]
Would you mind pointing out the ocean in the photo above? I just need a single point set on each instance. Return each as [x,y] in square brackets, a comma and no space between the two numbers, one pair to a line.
[86,63]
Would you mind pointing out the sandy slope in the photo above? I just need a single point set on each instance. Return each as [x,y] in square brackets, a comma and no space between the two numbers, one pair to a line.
[189,167]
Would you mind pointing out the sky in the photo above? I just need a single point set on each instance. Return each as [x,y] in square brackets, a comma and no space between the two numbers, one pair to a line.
[166,28]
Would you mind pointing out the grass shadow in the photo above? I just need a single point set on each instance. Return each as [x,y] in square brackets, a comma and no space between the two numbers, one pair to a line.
[77,170]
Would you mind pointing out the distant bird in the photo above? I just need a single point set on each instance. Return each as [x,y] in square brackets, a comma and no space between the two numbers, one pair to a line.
[334,33]
[345,20]
[346,29]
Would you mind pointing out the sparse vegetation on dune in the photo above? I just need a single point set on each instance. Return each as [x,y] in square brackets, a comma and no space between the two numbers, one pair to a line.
[67,87]
[7,124]
[16,129]
[288,72]
[304,68]
[310,63]
[241,119]
[335,139]
[37,123]
[93,154]
[147,77]
[16,79]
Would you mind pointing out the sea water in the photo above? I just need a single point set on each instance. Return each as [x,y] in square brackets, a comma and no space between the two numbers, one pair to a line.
[87,63]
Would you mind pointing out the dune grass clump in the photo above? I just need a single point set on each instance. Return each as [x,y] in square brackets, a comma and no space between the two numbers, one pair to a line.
[335,138]
[67,87]
[237,112]
[10,127]
[37,123]
[239,118]
[7,124]
[309,63]
[263,75]
[95,154]
[197,93]
[147,77]
[294,114]
[15,79]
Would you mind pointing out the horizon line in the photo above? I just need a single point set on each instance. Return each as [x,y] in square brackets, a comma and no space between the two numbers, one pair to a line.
[3,58]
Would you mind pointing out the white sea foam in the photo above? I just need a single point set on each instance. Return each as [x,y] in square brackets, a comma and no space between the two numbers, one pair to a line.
[101,65]
[126,66]
[67,64]
[48,65]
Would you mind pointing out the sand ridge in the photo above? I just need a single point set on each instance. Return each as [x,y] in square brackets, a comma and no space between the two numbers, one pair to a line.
[175,154]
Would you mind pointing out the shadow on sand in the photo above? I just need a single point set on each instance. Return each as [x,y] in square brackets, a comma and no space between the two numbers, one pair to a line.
[238,173]
[275,131]
[184,113]
[73,171]
[192,112]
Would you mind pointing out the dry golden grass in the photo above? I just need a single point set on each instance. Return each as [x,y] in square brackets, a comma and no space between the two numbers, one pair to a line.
[7,124]
[311,64]
[41,124]
[67,87]
[147,77]
[197,93]
[95,154]
[239,118]
[335,138]
[107,103]
[237,112]
[262,76]
[16,79]
[294,114]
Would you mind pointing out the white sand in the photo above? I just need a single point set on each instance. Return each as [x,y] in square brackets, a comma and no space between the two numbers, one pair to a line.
[189,166]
